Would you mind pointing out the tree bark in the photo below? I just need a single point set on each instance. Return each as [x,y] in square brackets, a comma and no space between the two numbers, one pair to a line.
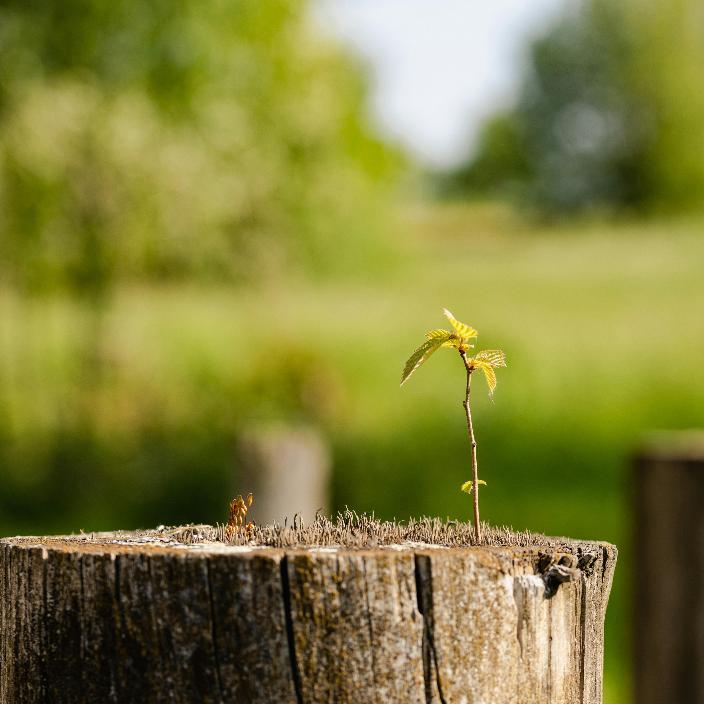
[124,618]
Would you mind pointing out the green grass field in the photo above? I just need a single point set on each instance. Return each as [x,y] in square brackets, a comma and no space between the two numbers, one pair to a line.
[602,323]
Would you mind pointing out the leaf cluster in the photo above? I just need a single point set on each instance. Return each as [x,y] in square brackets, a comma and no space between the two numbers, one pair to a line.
[461,338]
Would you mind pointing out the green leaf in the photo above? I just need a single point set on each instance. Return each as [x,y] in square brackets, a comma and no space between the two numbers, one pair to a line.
[420,356]
[487,360]
[489,373]
[468,486]
[438,334]
[496,358]
[466,332]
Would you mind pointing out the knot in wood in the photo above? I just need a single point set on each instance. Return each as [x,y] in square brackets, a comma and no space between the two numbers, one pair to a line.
[557,575]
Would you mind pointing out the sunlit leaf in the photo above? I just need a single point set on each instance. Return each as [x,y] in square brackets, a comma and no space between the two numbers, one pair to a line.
[438,334]
[486,360]
[466,332]
[468,486]
[496,358]
[449,339]
[489,373]
[420,356]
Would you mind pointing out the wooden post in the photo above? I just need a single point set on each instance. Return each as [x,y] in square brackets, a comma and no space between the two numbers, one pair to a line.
[287,468]
[668,480]
[139,618]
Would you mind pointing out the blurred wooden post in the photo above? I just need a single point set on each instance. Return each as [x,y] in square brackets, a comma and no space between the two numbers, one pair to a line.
[287,468]
[124,618]
[669,569]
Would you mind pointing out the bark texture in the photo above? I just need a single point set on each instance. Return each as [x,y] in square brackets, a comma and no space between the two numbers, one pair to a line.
[129,619]
[669,596]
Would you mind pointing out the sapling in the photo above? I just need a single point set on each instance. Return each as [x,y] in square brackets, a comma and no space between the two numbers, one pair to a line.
[460,338]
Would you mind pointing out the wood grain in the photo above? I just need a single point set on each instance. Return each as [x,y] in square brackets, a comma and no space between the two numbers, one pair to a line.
[127,620]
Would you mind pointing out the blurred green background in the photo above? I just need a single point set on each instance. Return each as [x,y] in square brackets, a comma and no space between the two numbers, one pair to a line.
[200,228]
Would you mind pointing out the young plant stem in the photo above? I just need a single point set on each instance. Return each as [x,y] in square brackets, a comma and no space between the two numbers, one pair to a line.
[473,443]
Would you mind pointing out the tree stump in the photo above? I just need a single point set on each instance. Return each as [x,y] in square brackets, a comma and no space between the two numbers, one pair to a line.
[669,593]
[181,616]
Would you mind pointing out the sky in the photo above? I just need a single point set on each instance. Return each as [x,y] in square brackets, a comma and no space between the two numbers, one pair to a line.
[438,67]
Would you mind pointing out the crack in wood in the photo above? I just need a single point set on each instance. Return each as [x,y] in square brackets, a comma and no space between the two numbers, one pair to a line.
[45,622]
[120,624]
[82,610]
[3,624]
[424,594]
[290,636]
[369,626]
[604,564]
[550,635]
[117,567]
[518,599]
[583,629]
[213,631]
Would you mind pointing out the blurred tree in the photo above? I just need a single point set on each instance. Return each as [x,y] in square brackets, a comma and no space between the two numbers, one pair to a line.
[610,113]
[669,71]
[184,137]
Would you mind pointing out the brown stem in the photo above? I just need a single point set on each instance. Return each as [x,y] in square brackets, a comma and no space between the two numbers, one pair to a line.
[473,443]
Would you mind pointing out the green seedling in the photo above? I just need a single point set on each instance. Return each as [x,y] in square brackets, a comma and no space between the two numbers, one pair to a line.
[460,338]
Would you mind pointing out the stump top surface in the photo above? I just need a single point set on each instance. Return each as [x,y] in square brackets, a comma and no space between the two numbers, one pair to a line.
[348,533]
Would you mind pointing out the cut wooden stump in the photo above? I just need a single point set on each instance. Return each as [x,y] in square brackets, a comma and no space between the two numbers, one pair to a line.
[146,617]
[669,541]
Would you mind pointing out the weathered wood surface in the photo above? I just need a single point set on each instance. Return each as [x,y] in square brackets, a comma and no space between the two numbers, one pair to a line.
[669,579]
[92,619]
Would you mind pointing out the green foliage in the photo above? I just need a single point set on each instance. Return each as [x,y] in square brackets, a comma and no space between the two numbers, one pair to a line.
[487,361]
[171,139]
[459,338]
[501,166]
[420,355]
[468,485]
[610,114]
